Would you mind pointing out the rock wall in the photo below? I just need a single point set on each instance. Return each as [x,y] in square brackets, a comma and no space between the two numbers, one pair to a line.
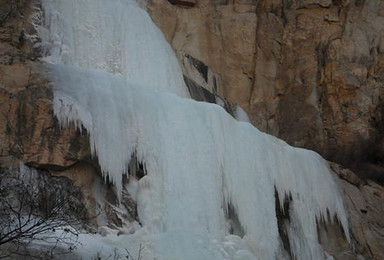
[307,71]
[29,131]
[364,201]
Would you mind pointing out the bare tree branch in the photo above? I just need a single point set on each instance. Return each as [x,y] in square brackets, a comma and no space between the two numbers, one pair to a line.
[33,207]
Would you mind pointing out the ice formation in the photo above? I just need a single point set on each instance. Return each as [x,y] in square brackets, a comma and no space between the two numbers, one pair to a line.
[114,73]
[241,115]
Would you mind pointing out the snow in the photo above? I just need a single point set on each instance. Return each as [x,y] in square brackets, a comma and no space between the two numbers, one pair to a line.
[113,73]
[241,115]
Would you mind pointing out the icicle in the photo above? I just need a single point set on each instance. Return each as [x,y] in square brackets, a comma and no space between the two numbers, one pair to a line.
[114,74]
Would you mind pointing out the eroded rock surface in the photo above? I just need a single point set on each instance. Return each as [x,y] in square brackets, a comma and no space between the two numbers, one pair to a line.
[365,204]
[30,133]
[309,72]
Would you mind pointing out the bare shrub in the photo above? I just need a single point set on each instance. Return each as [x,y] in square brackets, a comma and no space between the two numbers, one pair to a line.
[38,209]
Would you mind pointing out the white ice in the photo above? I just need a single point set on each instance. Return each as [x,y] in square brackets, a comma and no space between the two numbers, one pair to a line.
[241,115]
[114,73]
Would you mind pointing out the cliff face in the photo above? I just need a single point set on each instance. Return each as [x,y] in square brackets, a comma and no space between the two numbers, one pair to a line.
[29,131]
[309,72]
[364,201]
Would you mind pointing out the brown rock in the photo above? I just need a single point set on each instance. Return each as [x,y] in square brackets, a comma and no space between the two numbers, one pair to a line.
[365,206]
[367,224]
[29,130]
[346,174]
[185,3]
[213,34]
[15,77]
[307,71]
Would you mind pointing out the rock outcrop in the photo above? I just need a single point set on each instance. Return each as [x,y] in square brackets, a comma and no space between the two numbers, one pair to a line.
[29,130]
[309,72]
[365,205]
[30,133]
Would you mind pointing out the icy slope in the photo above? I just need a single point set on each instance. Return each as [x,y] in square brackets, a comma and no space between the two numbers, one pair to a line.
[114,73]
[115,36]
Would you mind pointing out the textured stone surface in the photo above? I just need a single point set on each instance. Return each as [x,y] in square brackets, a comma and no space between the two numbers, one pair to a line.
[29,131]
[307,71]
[365,204]
[211,34]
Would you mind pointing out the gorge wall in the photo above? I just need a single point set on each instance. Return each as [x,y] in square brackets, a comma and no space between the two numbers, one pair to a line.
[310,72]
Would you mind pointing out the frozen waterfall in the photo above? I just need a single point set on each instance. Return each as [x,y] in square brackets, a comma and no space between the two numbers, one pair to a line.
[114,73]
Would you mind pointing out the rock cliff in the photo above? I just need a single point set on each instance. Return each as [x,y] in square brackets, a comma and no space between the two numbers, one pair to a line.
[308,71]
